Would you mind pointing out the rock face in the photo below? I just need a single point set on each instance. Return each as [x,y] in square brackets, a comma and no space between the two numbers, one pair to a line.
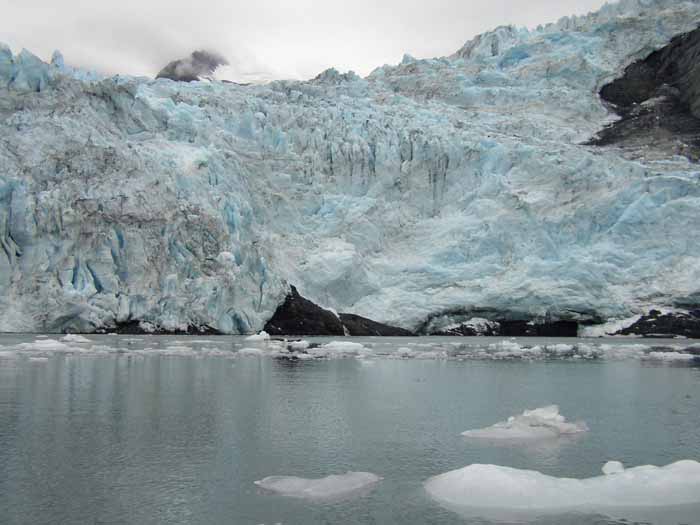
[198,65]
[299,316]
[658,99]
[360,326]
[451,325]
[429,186]
[139,328]
[657,324]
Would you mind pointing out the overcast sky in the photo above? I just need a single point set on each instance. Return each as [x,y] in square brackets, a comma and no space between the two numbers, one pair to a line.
[267,38]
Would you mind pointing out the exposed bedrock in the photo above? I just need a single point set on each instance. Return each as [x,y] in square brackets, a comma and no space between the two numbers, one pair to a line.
[658,324]
[357,325]
[192,68]
[488,322]
[507,328]
[299,316]
[140,328]
[658,99]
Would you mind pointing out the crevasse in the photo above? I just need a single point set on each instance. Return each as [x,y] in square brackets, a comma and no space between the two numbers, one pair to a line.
[456,182]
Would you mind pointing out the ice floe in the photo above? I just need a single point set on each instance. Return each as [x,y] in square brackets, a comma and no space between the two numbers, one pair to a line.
[261,337]
[541,423]
[339,348]
[74,338]
[250,352]
[298,345]
[668,353]
[44,345]
[333,487]
[495,492]
[613,467]
[670,356]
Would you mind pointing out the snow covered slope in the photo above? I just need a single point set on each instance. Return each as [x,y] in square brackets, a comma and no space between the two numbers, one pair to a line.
[457,184]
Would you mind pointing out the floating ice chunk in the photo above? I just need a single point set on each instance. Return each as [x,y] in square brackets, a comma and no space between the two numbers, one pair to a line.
[670,356]
[405,353]
[299,345]
[176,350]
[38,359]
[44,345]
[343,346]
[339,349]
[333,487]
[540,423]
[493,492]
[262,336]
[613,467]
[73,338]
[560,349]
[250,352]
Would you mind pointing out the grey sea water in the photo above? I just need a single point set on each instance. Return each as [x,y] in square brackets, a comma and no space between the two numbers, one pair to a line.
[138,429]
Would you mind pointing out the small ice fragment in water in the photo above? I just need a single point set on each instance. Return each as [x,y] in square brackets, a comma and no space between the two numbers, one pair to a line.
[670,356]
[262,336]
[342,347]
[613,467]
[250,352]
[44,345]
[73,338]
[329,488]
[491,490]
[540,423]
[299,345]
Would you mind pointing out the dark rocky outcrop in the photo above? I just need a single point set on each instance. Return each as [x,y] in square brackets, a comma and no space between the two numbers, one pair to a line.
[535,329]
[658,99]
[199,64]
[357,325]
[506,328]
[299,316]
[134,327]
[489,322]
[657,324]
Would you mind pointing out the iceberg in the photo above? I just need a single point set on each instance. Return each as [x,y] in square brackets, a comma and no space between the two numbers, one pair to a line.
[44,345]
[541,423]
[496,492]
[261,337]
[74,338]
[335,487]
[250,352]
[460,188]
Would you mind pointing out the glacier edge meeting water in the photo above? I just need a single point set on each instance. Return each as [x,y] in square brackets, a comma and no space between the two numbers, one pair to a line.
[458,184]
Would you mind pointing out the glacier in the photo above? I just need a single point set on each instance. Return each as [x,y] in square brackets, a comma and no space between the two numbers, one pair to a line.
[441,189]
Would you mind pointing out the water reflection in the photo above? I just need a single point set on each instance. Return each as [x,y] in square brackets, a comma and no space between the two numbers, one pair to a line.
[135,438]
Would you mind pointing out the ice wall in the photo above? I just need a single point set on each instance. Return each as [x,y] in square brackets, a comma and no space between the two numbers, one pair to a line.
[458,182]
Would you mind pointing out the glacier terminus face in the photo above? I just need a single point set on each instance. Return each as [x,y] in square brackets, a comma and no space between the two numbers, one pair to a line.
[449,187]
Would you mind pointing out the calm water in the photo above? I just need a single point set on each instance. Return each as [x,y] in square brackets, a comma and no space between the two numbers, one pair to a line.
[113,434]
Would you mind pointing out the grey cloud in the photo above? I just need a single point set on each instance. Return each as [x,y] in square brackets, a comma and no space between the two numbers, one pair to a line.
[199,64]
[265,38]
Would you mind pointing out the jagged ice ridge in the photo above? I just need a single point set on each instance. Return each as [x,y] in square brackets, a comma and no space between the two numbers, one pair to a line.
[458,182]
